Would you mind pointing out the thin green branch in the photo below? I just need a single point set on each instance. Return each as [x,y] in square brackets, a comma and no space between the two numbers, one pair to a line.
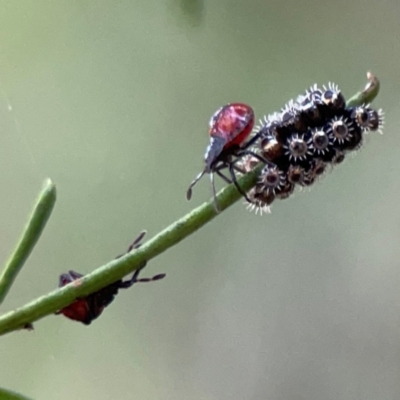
[120,267]
[9,395]
[367,95]
[34,228]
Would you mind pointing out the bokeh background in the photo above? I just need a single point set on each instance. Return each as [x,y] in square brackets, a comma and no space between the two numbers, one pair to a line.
[111,99]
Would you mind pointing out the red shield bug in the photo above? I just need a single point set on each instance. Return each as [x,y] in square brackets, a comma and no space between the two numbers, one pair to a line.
[86,309]
[230,126]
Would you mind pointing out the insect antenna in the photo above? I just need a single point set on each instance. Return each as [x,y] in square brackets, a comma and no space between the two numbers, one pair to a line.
[198,177]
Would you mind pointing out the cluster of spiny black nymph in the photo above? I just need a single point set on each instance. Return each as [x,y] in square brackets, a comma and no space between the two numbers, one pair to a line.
[299,143]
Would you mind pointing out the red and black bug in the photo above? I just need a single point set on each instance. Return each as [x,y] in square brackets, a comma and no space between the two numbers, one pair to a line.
[86,309]
[230,126]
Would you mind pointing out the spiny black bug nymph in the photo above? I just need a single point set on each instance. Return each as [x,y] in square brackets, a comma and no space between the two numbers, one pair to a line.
[332,97]
[272,179]
[340,129]
[320,141]
[367,118]
[308,135]
[298,147]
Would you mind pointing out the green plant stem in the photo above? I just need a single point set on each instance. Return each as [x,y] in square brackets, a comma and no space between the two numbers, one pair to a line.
[121,267]
[30,236]
[9,395]
[367,95]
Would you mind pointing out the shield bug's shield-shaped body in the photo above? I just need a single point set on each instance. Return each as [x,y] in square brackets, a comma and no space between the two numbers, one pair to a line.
[230,126]
[88,308]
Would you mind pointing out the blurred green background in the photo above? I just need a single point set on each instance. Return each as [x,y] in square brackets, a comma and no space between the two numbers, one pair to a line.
[111,99]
